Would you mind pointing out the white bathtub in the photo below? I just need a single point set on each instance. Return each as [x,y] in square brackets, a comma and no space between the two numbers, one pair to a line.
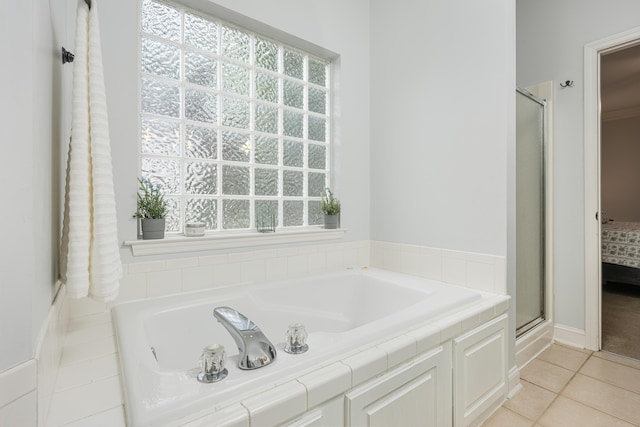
[342,313]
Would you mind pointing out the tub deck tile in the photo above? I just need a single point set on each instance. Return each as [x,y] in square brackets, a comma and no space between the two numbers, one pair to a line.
[326,383]
[235,415]
[366,364]
[399,349]
[277,405]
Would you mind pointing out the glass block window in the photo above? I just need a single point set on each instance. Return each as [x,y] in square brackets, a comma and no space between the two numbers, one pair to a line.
[232,123]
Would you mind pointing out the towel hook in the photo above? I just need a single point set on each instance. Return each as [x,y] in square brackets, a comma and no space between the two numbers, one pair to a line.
[568,83]
[66,55]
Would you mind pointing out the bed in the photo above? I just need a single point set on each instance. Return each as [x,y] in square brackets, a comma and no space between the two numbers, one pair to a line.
[621,252]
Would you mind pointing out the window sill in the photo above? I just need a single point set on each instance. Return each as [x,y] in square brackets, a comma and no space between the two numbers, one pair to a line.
[178,243]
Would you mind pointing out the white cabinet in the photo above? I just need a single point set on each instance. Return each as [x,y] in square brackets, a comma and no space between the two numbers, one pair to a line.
[480,370]
[417,393]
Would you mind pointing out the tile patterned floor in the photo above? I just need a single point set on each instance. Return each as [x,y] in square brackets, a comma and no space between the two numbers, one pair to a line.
[567,387]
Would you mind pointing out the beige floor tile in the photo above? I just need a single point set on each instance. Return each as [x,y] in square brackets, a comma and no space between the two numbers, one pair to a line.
[565,412]
[531,401]
[613,373]
[546,375]
[505,418]
[627,361]
[566,357]
[604,397]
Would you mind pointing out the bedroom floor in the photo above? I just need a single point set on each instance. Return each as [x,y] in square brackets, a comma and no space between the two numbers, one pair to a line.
[568,387]
[621,319]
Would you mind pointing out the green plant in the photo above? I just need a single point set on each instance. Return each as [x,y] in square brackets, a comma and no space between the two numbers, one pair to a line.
[330,203]
[151,201]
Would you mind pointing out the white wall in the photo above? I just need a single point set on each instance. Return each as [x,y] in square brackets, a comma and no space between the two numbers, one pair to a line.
[620,172]
[442,123]
[550,40]
[31,79]
[339,26]
[442,91]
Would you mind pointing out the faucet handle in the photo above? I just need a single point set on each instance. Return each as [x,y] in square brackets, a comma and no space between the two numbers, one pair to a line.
[296,339]
[212,364]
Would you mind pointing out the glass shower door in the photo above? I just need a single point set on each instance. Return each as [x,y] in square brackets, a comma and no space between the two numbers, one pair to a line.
[530,211]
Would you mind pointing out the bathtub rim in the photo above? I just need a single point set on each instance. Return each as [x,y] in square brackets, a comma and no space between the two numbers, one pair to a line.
[149,305]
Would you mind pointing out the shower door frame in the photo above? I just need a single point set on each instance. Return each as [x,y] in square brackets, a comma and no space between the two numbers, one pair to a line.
[520,332]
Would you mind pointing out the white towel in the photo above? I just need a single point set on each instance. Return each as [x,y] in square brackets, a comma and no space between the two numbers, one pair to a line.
[90,257]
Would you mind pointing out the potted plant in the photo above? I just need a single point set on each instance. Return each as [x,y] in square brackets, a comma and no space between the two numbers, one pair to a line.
[151,211]
[331,209]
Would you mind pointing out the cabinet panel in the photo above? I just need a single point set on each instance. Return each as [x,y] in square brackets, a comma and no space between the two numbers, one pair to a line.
[480,370]
[417,393]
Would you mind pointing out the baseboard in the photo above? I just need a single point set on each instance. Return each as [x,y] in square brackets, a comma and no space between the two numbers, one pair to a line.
[49,352]
[534,342]
[514,382]
[569,336]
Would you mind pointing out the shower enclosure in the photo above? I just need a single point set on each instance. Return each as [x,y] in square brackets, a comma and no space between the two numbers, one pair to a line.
[530,211]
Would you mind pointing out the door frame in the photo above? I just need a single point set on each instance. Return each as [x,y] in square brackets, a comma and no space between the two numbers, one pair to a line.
[592,134]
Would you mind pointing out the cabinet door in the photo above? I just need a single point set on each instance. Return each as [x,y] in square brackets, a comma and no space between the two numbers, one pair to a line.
[417,393]
[480,370]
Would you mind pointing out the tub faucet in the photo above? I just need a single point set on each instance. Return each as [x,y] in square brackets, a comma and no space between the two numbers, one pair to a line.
[255,350]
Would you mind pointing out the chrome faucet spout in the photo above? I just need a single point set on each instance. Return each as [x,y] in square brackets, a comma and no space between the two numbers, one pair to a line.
[255,350]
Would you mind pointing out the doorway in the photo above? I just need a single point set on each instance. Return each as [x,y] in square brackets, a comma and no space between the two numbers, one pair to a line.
[594,54]
[619,200]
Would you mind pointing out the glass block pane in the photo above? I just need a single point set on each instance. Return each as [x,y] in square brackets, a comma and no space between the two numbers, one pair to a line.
[317,72]
[201,178]
[268,207]
[235,44]
[160,137]
[293,64]
[160,98]
[235,180]
[317,156]
[161,20]
[266,87]
[266,54]
[200,33]
[317,100]
[200,69]
[202,210]
[293,123]
[235,112]
[200,142]
[235,78]
[292,183]
[293,154]
[266,118]
[315,214]
[200,106]
[266,150]
[266,182]
[235,214]
[236,146]
[160,59]
[165,172]
[316,184]
[172,220]
[292,211]
[293,94]
[317,128]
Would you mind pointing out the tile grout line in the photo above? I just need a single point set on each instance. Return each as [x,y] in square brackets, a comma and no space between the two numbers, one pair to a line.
[581,403]
[536,421]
